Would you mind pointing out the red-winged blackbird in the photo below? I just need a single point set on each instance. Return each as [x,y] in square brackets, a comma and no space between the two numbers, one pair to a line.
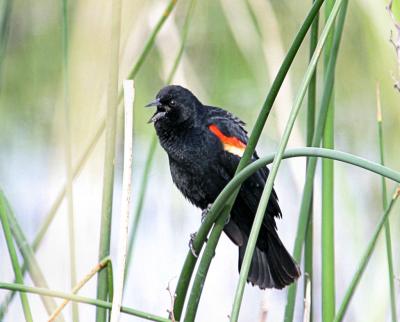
[204,146]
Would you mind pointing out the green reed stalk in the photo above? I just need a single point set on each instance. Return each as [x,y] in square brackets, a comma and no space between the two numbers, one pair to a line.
[153,144]
[5,15]
[190,261]
[79,299]
[108,179]
[68,156]
[327,220]
[275,166]
[388,238]
[13,255]
[311,103]
[311,166]
[364,260]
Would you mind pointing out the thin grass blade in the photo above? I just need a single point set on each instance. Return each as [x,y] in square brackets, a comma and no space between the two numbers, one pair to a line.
[388,238]
[68,155]
[32,264]
[13,255]
[364,260]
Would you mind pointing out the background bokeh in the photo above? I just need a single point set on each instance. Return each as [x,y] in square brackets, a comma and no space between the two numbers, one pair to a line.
[227,62]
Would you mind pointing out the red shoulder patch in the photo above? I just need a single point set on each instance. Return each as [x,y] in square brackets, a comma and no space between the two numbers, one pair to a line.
[230,143]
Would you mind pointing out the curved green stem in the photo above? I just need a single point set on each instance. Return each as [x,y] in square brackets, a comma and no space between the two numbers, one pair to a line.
[190,261]
[79,299]
[236,181]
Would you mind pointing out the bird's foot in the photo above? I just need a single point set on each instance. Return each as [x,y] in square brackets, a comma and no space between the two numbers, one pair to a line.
[205,212]
[191,240]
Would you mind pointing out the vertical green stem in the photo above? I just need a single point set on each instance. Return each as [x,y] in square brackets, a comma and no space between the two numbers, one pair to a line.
[327,220]
[388,238]
[311,166]
[312,96]
[108,180]
[13,255]
[68,158]
[5,15]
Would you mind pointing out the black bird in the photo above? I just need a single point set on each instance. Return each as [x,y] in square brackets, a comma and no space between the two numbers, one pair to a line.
[204,146]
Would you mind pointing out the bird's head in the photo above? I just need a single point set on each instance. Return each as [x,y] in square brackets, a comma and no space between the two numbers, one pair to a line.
[175,105]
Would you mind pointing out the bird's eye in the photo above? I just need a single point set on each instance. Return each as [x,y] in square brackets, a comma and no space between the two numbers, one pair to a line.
[172,103]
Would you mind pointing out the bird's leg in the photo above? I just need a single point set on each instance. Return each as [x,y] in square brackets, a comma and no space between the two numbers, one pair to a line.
[205,212]
[191,240]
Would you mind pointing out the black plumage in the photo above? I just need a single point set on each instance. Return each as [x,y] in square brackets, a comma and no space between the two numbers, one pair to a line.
[204,146]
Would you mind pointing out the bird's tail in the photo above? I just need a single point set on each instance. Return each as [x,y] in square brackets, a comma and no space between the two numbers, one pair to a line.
[273,267]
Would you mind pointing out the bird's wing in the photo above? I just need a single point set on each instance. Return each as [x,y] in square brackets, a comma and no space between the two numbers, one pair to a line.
[230,130]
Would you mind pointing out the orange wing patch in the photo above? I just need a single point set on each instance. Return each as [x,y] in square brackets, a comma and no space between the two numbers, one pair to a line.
[231,144]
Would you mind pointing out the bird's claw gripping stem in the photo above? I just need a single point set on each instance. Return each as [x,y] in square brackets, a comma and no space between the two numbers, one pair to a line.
[191,240]
[205,212]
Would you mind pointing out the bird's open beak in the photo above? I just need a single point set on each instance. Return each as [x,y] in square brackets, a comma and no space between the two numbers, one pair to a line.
[158,114]
[156,102]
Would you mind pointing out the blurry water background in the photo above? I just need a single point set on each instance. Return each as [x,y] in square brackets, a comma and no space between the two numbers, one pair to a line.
[226,64]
